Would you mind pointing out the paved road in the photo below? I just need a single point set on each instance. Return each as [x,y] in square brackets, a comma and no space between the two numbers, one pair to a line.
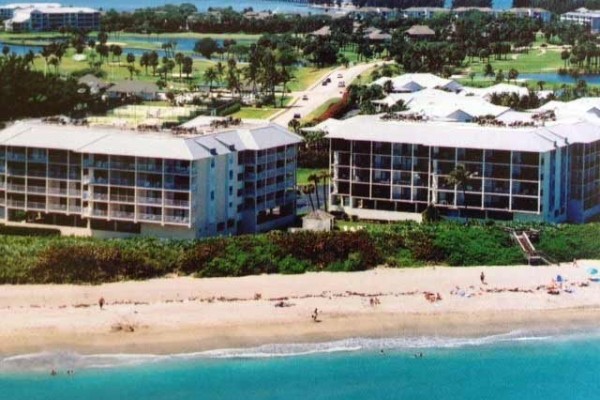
[319,94]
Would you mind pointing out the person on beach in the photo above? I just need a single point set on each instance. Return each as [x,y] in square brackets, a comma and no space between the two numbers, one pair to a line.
[315,315]
[575,263]
[482,278]
[53,372]
[101,302]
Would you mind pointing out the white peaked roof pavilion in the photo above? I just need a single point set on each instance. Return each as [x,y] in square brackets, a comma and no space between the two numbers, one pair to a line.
[415,82]
[441,105]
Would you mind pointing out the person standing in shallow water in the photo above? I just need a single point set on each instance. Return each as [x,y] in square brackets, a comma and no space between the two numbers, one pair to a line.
[482,277]
[101,302]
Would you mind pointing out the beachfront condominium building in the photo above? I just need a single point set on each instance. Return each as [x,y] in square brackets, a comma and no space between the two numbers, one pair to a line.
[583,16]
[48,17]
[392,170]
[106,182]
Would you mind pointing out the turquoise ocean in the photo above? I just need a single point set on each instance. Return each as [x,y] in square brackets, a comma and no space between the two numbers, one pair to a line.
[511,366]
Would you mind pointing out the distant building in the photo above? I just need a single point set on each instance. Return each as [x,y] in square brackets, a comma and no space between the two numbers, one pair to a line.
[318,220]
[142,90]
[535,13]
[324,31]
[95,84]
[48,17]
[583,16]
[110,182]
[420,32]
[424,12]
[408,83]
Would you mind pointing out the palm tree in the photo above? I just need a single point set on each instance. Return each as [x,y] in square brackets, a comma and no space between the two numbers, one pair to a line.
[308,190]
[459,177]
[325,175]
[179,61]
[541,84]
[210,75]
[316,179]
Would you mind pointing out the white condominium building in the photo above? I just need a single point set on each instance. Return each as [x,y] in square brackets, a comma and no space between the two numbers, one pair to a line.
[392,170]
[19,17]
[107,182]
[583,16]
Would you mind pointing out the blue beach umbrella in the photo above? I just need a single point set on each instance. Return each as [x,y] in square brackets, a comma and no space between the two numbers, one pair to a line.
[592,271]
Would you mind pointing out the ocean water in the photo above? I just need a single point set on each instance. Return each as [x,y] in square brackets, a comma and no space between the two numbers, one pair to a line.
[513,366]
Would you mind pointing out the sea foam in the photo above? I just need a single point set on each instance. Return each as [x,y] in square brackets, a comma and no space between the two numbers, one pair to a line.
[65,360]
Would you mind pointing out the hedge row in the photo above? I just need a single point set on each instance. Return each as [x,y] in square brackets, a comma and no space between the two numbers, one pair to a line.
[51,259]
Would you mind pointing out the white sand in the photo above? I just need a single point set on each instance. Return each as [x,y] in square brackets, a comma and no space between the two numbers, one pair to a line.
[186,314]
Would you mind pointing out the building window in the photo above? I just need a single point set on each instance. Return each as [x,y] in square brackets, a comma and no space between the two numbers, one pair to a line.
[212,194]
[231,190]
[212,163]
[231,174]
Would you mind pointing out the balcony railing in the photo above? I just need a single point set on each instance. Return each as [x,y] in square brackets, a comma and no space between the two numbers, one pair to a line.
[150,217]
[149,200]
[34,205]
[122,214]
[122,198]
[16,203]
[177,170]
[15,172]
[36,189]
[57,207]
[149,168]
[100,196]
[74,193]
[149,184]
[75,209]
[173,186]
[62,192]
[122,165]
[99,213]
[177,203]
[15,188]
[177,219]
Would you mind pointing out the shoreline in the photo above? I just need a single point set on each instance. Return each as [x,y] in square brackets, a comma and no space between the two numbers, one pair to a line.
[187,315]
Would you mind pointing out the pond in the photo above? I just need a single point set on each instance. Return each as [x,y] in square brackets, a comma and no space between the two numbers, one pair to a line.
[554,78]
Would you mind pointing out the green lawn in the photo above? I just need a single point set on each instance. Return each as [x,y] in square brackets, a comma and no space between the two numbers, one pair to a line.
[255,113]
[306,77]
[537,60]
[321,109]
[302,174]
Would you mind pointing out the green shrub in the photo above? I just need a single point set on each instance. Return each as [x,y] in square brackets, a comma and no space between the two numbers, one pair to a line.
[290,265]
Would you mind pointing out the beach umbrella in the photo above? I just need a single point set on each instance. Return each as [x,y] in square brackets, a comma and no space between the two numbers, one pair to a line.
[592,271]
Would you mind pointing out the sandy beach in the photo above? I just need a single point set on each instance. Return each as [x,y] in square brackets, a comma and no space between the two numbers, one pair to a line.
[181,314]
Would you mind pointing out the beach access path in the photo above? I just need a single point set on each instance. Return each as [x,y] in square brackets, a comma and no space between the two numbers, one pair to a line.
[182,314]
[319,94]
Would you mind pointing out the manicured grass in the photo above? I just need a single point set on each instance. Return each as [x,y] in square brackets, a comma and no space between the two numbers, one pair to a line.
[321,109]
[302,174]
[537,60]
[255,113]
[306,77]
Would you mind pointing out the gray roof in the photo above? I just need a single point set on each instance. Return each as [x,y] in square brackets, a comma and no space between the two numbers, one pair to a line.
[420,30]
[93,81]
[464,135]
[153,145]
[134,87]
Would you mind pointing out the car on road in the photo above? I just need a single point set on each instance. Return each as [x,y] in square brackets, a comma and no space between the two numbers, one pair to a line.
[324,83]
[297,116]
[340,76]
[341,84]
[305,97]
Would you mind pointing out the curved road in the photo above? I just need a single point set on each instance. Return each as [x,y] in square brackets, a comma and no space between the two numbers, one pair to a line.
[318,94]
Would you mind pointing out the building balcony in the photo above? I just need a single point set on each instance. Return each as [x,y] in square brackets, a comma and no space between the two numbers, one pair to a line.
[57,207]
[74,193]
[16,203]
[177,220]
[15,172]
[122,166]
[149,184]
[36,189]
[122,198]
[177,203]
[98,213]
[149,168]
[122,215]
[15,157]
[150,217]
[34,205]
[15,188]
[177,170]
[121,182]
[100,196]
[57,191]
[74,209]
[149,200]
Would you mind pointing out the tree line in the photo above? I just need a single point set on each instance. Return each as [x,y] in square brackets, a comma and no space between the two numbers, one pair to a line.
[558,6]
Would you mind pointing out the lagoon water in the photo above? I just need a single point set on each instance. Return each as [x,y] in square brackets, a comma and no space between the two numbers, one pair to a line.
[501,367]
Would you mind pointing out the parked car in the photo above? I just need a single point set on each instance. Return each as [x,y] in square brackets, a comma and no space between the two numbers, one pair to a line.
[340,76]
[328,80]
[297,116]
[305,97]
[324,83]
[341,84]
